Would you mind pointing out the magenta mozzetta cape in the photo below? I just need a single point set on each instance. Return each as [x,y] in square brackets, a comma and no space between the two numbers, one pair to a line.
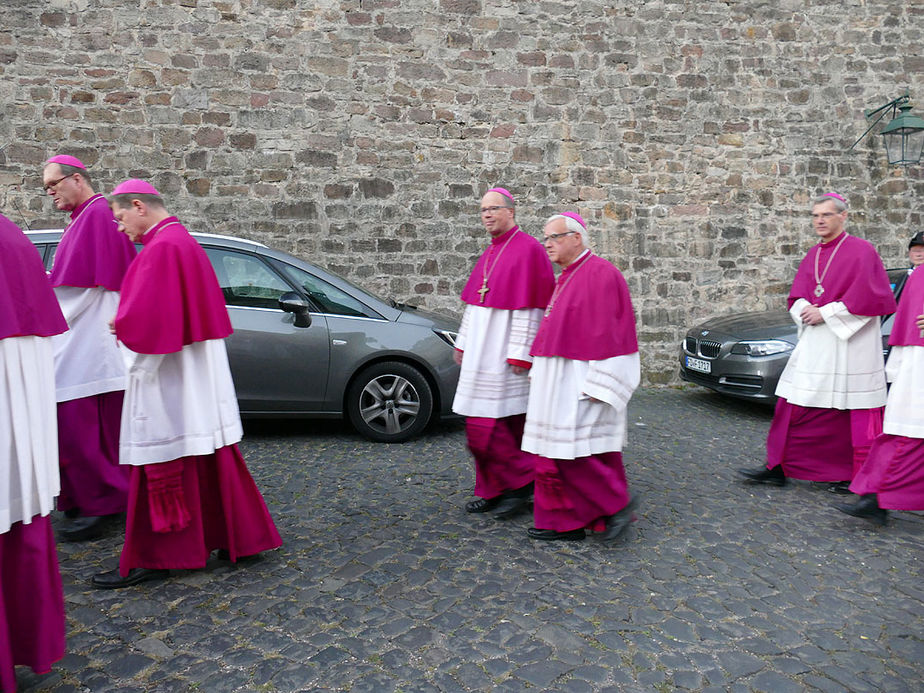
[27,303]
[905,331]
[856,277]
[591,318]
[522,277]
[92,251]
[170,295]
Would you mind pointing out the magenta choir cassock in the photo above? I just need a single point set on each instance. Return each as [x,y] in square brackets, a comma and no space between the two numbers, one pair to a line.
[190,491]
[504,297]
[89,265]
[894,469]
[585,369]
[32,623]
[832,391]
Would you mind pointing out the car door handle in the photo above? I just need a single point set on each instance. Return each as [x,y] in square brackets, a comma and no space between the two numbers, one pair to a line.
[338,342]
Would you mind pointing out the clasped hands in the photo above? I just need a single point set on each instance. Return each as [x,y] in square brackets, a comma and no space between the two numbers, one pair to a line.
[811,315]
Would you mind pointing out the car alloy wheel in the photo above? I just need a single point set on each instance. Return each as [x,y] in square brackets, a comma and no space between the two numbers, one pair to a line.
[390,402]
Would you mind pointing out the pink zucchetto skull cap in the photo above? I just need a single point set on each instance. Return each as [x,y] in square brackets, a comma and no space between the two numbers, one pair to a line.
[835,196]
[502,191]
[134,186]
[577,217]
[67,160]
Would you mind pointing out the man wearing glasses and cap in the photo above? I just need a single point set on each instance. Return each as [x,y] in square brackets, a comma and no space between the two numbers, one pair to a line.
[585,369]
[190,491]
[89,368]
[833,389]
[504,296]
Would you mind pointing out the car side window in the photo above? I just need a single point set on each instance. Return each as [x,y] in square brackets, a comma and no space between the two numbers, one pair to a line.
[50,256]
[328,297]
[246,280]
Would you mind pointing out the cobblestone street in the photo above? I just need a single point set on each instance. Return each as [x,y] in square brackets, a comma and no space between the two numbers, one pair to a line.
[384,583]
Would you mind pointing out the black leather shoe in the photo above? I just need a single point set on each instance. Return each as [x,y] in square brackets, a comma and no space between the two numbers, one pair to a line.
[867,508]
[482,505]
[841,488]
[552,535]
[84,528]
[511,506]
[225,555]
[617,524]
[772,477]
[111,580]
[514,502]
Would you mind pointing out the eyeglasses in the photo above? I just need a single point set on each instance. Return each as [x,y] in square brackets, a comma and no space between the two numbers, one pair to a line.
[492,210]
[48,187]
[556,236]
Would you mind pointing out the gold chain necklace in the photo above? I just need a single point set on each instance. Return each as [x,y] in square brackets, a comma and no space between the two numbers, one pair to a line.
[486,272]
[561,287]
[819,289]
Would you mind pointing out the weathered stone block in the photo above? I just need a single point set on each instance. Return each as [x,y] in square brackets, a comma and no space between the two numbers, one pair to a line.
[295,210]
[461,6]
[209,137]
[376,188]
[198,186]
[243,140]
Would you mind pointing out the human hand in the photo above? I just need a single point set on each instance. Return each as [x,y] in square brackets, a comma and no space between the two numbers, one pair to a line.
[518,370]
[811,315]
[457,357]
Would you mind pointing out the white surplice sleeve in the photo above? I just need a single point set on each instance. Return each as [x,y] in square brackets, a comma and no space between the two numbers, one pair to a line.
[463,328]
[842,322]
[524,324]
[613,380]
[796,314]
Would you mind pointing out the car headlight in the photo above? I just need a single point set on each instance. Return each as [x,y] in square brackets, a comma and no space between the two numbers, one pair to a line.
[447,336]
[762,347]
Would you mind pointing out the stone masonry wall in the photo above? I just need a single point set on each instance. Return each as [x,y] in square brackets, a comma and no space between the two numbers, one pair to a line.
[360,133]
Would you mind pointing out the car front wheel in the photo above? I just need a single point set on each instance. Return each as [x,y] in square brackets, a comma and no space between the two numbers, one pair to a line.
[390,402]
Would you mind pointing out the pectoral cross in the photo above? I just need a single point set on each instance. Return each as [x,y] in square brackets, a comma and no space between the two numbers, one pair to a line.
[483,290]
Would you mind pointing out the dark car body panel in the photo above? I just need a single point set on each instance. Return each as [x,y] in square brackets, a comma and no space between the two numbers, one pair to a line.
[710,343]
[281,370]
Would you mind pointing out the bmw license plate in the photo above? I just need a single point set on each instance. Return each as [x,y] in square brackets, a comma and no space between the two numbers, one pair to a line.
[698,365]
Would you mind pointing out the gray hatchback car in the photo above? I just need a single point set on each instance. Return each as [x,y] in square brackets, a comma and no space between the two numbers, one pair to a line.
[308,343]
[743,354]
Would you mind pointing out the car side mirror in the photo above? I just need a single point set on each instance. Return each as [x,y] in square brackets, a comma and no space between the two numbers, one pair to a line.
[291,302]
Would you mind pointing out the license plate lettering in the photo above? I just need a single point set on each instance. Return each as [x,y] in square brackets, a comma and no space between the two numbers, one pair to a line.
[698,365]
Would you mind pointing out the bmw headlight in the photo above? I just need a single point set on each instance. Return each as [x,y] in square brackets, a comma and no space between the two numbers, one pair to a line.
[447,336]
[762,347]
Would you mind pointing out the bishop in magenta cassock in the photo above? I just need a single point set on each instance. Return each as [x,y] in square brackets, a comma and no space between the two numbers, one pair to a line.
[585,369]
[504,296]
[89,265]
[190,491]
[892,477]
[31,596]
[833,389]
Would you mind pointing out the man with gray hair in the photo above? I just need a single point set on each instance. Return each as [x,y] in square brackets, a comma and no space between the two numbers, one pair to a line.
[585,369]
[504,296]
[190,489]
[833,389]
[89,265]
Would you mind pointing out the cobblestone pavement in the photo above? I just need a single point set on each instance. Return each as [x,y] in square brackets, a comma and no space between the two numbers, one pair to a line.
[384,583]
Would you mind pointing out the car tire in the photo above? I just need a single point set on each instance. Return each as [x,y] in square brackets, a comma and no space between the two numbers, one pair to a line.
[390,402]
